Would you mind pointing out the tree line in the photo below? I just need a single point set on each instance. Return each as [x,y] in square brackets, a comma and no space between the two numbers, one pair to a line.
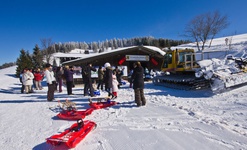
[102,46]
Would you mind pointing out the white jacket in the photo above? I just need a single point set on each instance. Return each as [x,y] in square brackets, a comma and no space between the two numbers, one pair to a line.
[27,78]
[49,76]
[114,84]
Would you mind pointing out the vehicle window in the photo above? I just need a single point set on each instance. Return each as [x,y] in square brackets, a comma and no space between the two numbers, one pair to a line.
[167,60]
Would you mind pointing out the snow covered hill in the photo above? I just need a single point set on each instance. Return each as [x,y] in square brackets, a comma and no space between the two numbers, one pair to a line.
[219,44]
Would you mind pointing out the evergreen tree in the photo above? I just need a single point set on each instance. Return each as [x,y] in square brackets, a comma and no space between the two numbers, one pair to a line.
[106,44]
[95,47]
[114,42]
[37,57]
[24,61]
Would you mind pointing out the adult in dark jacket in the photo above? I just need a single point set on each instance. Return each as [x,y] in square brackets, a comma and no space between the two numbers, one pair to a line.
[59,78]
[138,84]
[100,78]
[108,79]
[68,74]
[88,84]
[119,74]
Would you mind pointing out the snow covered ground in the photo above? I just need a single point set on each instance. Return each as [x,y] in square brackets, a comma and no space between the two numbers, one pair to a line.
[172,119]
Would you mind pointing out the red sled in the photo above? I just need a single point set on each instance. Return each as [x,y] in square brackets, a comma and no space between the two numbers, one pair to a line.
[72,136]
[74,114]
[99,105]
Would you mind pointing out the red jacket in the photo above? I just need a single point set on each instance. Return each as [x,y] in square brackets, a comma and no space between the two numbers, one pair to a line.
[38,76]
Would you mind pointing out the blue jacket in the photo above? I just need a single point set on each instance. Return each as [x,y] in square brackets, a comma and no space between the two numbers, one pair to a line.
[68,75]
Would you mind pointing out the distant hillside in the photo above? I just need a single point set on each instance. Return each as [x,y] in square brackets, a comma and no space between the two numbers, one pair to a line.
[6,65]
[227,43]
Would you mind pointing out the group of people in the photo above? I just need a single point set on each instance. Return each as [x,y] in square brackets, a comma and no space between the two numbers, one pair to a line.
[108,78]
[28,78]
[55,80]
[112,80]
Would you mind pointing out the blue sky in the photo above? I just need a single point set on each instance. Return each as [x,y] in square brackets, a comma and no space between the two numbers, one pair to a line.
[24,22]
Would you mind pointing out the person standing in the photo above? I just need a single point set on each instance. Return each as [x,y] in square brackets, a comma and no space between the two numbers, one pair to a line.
[27,80]
[59,74]
[88,84]
[38,77]
[115,84]
[20,78]
[108,79]
[100,78]
[119,74]
[51,82]
[138,84]
[68,73]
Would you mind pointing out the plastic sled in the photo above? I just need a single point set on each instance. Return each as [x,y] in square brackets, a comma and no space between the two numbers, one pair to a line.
[72,136]
[74,114]
[99,105]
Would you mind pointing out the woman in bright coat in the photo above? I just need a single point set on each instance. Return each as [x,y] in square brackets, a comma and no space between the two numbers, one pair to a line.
[38,77]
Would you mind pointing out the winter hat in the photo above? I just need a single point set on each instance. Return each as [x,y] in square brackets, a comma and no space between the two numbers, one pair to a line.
[107,65]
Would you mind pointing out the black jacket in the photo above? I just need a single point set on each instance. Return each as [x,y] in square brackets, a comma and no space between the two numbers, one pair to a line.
[137,78]
[108,78]
[86,74]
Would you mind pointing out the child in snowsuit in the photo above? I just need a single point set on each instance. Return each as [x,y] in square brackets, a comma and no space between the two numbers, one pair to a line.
[115,84]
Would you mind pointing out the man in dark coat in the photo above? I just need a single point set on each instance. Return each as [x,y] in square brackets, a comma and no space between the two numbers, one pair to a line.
[138,84]
[68,73]
[88,84]
[100,78]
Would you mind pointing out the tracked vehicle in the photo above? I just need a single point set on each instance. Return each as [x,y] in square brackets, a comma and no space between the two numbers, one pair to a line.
[178,71]
[181,70]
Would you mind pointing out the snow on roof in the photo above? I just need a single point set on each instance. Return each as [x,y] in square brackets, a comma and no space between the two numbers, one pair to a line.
[83,56]
[75,55]
[156,49]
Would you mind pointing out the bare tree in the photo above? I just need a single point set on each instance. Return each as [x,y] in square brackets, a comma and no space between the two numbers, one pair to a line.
[204,27]
[230,43]
[48,49]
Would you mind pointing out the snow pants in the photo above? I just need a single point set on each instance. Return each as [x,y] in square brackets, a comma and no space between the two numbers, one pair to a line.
[28,89]
[69,85]
[88,86]
[60,84]
[38,85]
[139,97]
[50,92]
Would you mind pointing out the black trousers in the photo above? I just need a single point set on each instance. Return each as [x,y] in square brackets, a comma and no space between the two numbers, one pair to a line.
[88,86]
[50,92]
[139,97]
[22,88]
[69,85]
[100,84]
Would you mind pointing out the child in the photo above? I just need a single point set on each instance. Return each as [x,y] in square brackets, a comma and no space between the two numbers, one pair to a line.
[114,85]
